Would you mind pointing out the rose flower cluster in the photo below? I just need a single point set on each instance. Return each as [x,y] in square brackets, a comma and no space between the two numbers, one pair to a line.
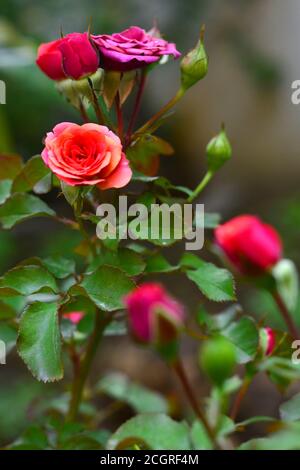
[92,154]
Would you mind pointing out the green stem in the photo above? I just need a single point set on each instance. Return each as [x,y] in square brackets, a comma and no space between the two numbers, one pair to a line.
[101,322]
[84,233]
[97,109]
[204,182]
[161,112]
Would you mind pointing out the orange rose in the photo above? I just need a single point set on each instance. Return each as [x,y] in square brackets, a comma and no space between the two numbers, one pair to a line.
[86,155]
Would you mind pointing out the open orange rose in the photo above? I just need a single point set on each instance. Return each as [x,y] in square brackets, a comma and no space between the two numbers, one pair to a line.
[86,155]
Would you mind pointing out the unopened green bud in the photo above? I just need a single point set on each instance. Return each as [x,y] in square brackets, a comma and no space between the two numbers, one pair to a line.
[79,92]
[286,276]
[218,151]
[218,358]
[194,65]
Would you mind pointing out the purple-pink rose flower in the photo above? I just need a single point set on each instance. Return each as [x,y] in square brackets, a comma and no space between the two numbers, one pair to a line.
[131,49]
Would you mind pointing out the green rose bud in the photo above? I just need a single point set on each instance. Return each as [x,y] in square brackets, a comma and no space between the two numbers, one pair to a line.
[194,65]
[79,92]
[218,358]
[218,151]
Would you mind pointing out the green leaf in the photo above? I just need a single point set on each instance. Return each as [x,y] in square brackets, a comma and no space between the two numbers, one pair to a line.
[220,320]
[151,431]
[10,166]
[128,81]
[110,86]
[215,283]
[254,420]
[39,342]
[285,439]
[282,371]
[200,438]
[107,287]
[164,183]
[137,176]
[5,188]
[31,174]
[34,438]
[144,153]
[59,266]
[8,334]
[157,263]
[124,259]
[244,335]
[20,207]
[211,220]
[71,193]
[189,260]
[26,280]
[141,399]
[290,410]
[81,442]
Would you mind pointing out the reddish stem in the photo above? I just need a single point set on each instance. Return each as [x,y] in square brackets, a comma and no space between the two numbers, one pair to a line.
[239,397]
[285,314]
[119,116]
[137,106]
[180,372]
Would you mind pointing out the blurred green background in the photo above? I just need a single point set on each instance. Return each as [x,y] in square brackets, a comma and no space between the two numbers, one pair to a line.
[252,47]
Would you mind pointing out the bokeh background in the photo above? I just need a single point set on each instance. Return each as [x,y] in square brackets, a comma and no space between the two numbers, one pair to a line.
[253,59]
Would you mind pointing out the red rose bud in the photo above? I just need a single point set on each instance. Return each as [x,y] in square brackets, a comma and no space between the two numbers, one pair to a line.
[218,151]
[250,245]
[218,359]
[194,65]
[74,317]
[154,316]
[267,340]
[72,56]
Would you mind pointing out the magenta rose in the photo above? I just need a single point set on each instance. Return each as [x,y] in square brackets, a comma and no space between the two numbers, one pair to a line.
[72,56]
[132,49]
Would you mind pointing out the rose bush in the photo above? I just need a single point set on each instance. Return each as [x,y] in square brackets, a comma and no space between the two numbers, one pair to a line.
[56,309]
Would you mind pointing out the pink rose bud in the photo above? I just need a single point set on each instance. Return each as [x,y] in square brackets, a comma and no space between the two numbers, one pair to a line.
[252,246]
[86,155]
[72,56]
[74,317]
[132,49]
[267,340]
[154,316]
